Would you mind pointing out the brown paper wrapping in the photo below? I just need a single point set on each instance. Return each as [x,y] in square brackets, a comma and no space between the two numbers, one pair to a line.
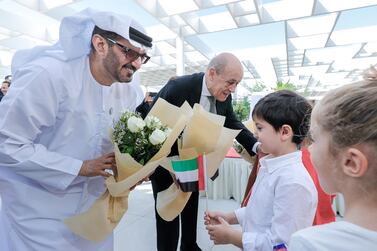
[104,215]
[204,133]
[250,125]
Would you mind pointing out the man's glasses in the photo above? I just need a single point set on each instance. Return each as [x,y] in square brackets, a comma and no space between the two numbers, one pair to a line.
[230,82]
[129,53]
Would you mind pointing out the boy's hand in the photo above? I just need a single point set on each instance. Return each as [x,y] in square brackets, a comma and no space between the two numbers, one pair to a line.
[220,233]
[211,218]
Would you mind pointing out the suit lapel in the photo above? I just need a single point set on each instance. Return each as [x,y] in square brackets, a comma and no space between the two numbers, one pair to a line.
[197,90]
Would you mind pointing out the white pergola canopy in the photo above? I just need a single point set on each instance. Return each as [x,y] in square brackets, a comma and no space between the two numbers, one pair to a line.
[315,44]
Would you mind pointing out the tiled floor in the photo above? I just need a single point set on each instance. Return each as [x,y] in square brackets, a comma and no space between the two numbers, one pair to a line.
[137,229]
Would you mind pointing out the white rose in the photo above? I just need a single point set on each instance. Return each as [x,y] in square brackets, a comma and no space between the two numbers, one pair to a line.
[150,120]
[167,131]
[135,124]
[157,137]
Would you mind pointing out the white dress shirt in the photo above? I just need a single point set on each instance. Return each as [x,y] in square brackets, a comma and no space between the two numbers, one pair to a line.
[283,200]
[341,235]
[204,101]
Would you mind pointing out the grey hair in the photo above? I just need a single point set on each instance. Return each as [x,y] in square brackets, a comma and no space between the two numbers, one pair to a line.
[218,63]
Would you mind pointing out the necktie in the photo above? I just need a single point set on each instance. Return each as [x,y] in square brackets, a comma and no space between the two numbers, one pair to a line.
[212,104]
[212,109]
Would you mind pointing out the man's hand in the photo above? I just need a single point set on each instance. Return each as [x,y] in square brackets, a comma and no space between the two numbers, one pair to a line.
[260,151]
[97,167]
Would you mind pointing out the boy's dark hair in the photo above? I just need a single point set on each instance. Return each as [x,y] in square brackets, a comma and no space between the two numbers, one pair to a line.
[104,34]
[285,108]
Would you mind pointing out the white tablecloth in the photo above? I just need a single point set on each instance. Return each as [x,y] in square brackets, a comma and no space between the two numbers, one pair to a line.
[232,180]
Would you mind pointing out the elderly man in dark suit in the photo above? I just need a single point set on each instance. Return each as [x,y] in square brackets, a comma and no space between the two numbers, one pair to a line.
[212,90]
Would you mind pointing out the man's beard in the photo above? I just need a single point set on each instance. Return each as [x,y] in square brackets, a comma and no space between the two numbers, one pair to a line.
[119,73]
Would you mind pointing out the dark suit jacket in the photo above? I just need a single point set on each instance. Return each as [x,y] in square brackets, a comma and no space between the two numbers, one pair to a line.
[143,108]
[189,88]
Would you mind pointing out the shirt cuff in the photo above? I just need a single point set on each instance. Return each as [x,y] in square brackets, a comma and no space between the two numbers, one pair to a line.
[255,146]
[240,215]
[73,170]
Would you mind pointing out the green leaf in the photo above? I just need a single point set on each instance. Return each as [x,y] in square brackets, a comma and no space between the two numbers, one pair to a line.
[242,108]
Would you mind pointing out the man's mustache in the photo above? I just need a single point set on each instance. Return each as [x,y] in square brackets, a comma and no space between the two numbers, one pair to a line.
[130,66]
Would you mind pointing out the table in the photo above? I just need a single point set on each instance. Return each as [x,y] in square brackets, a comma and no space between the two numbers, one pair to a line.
[232,180]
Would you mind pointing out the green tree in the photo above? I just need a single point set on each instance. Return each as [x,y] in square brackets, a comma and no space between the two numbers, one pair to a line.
[242,108]
[258,87]
[280,85]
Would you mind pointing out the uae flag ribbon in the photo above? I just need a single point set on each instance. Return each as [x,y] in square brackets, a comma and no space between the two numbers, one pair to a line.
[191,174]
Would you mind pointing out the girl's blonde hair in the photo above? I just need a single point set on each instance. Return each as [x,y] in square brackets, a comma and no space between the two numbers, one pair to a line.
[349,114]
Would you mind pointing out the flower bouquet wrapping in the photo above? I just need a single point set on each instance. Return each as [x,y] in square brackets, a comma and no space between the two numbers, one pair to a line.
[140,146]
[205,134]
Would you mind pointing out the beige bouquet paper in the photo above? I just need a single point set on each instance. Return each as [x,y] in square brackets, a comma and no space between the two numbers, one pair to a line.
[104,215]
[205,133]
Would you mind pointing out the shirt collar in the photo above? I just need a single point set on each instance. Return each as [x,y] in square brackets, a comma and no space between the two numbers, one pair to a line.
[205,91]
[273,163]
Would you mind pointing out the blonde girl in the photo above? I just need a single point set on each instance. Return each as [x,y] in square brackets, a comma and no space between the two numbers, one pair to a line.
[344,152]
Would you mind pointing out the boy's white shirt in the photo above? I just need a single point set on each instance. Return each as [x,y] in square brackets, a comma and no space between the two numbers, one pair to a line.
[283,200]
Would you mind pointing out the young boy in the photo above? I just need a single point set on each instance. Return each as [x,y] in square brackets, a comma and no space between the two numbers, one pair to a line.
[284,198]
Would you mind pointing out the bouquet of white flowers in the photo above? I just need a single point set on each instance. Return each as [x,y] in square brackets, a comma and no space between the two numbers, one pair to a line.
[139,146]
[205,134]
[140,139]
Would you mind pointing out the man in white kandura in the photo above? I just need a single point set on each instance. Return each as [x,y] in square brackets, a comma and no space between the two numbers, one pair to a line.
[54,139]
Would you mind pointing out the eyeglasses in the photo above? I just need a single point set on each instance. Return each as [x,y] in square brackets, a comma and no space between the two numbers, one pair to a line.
[230,82]
[131,54]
